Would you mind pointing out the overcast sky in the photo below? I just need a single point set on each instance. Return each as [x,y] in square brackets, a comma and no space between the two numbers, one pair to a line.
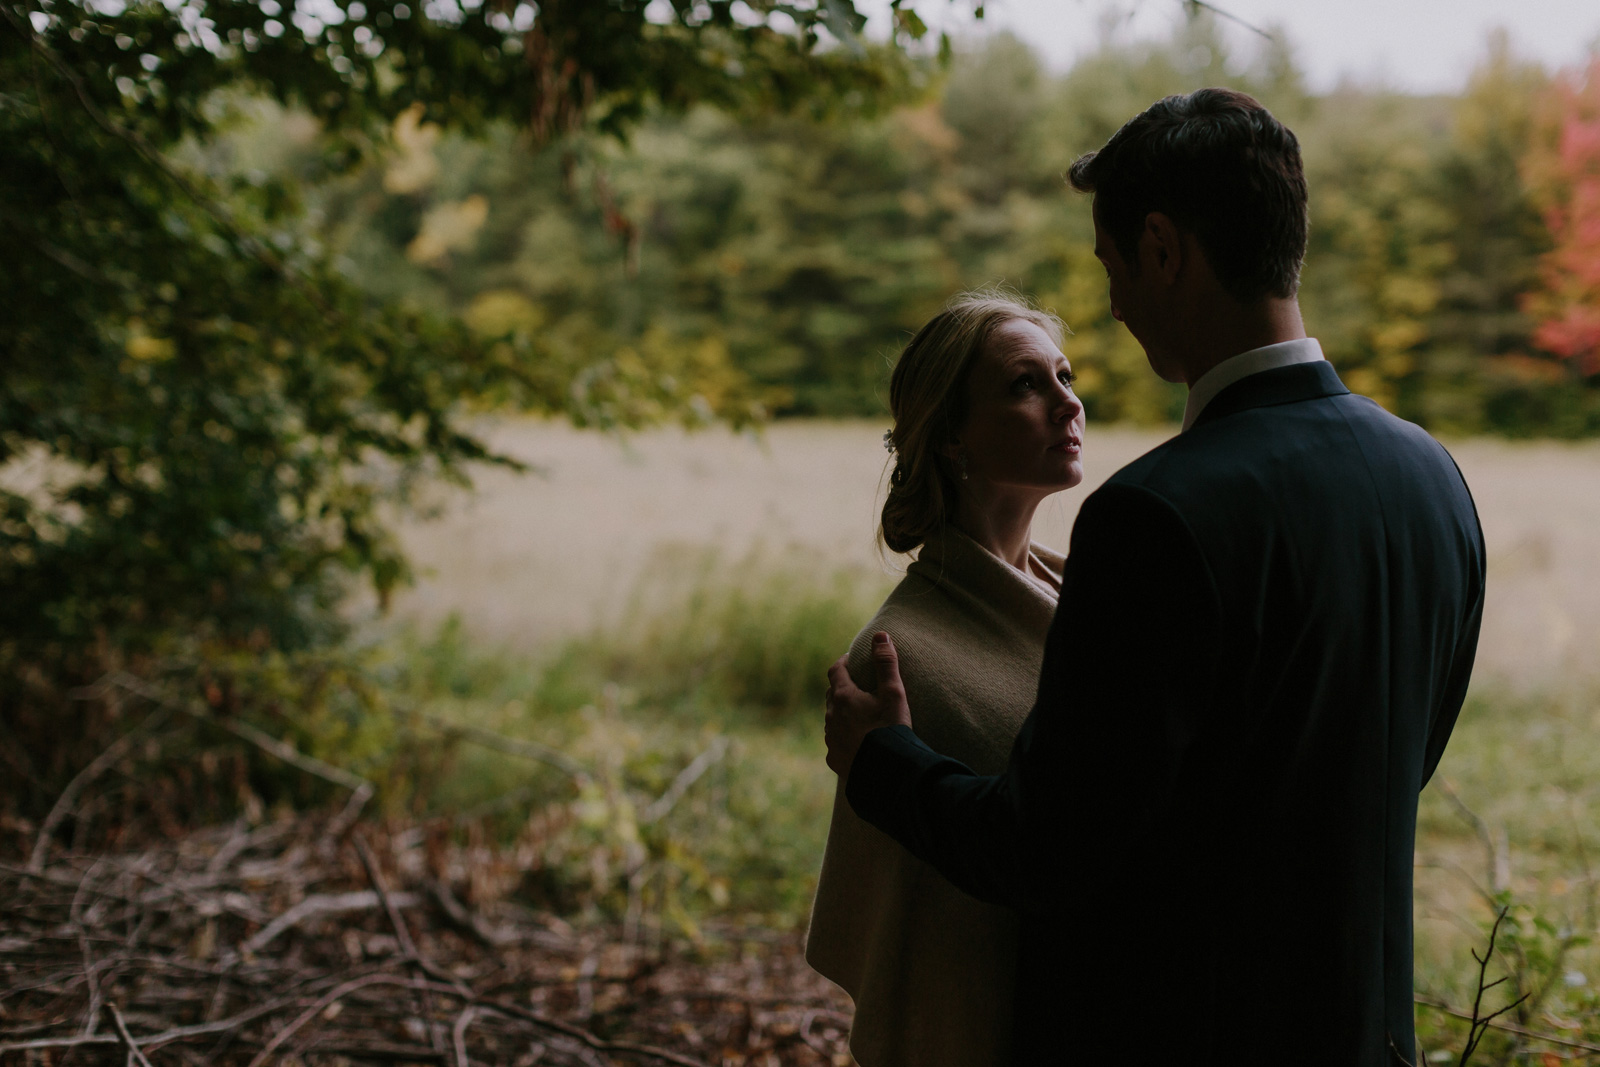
[1415,45]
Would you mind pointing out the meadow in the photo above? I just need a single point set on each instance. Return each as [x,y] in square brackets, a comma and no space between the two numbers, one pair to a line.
[642,600]
[527,560]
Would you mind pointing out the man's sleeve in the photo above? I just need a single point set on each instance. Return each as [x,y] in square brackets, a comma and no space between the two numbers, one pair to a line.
[1125,685]
[1454,694]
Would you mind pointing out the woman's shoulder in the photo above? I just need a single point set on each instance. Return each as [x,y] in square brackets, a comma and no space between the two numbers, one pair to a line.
[970,671]
[910,615]
[910,605]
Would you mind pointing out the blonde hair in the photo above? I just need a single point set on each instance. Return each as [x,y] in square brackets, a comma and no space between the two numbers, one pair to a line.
[928,398]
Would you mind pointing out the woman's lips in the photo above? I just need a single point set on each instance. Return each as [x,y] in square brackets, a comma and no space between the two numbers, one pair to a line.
[1070,445]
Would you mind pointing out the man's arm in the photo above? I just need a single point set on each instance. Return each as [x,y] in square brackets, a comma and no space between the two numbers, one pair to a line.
[1448,708]
[1126,683]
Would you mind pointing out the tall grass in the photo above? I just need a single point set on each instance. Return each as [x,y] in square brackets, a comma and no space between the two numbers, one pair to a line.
[749,639]
[709,652]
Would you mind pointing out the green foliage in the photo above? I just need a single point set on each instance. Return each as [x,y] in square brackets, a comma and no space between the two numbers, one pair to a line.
[1377,248]
[804,253]
[201,413]
[1476,368]
[209,425]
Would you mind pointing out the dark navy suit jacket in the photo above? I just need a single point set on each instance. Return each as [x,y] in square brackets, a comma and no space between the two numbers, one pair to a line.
[1264,636]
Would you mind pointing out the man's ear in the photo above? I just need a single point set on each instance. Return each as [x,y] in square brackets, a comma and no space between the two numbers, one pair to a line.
[1161,247]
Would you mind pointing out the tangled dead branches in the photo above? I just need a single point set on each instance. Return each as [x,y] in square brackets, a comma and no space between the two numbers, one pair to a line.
[279,943]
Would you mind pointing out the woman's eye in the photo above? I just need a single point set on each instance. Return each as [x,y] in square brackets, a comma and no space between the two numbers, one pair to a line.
[1022,384]
[1067,378]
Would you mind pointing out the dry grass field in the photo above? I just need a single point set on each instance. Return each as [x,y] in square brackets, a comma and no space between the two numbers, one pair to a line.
[529,559]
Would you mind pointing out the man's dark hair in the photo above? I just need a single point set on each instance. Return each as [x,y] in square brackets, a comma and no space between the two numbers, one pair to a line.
[1220,166]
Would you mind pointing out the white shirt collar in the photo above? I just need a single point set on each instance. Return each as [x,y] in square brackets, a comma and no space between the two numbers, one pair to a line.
[1230,370]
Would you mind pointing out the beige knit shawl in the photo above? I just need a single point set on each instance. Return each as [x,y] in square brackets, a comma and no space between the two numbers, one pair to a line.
[929,967]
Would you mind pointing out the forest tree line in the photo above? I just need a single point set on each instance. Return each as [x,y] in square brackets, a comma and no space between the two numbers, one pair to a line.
[1453,272]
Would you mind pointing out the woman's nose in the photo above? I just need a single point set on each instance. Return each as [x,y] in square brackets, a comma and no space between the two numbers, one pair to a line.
[1067,404]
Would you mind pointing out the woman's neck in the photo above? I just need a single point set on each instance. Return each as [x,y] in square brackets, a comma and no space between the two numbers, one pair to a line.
[1000,520]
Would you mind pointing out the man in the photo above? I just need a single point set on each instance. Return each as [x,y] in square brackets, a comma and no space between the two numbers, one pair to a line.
[1264,636]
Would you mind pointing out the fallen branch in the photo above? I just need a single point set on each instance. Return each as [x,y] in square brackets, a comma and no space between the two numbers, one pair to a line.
[398,1053]
[805,1032]
[1497,854]
[599,1044]
[127,1038]
[194,943]
[1510,1028]
[91,1016]
[765,1002]
[686,778]
[468,921]
[322,904]
[512,746]
[332,996]
[97,766]
[151,1041]
[361,790]
[401,931]
[459,1034]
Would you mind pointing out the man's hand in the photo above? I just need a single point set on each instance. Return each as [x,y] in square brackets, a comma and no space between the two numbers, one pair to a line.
[853,712]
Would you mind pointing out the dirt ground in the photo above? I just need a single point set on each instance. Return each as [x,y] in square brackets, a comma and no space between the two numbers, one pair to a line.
[528,559]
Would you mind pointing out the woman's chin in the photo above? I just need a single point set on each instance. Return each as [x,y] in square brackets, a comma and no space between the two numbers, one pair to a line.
[1071,472]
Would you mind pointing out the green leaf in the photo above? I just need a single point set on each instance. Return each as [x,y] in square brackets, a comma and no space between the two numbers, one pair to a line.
[909,22]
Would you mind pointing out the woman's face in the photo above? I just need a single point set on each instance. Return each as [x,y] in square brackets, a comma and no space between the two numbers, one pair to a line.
[1024,426]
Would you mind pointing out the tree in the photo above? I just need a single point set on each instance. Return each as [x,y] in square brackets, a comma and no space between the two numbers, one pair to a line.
[1565,170]
[200,414]
[1479,328]
[1378,244]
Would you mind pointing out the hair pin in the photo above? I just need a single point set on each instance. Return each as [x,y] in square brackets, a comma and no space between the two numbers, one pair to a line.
[888,441]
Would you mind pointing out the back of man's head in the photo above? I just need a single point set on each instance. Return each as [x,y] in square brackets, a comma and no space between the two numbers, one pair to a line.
[1220,166]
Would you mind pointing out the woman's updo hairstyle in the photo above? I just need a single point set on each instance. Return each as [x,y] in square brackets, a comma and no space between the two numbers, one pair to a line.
[928,398]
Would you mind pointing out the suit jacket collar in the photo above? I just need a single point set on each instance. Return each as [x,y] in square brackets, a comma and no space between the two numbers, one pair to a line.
[1282,385]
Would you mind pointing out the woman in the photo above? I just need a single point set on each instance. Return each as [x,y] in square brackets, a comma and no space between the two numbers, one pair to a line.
[986,426]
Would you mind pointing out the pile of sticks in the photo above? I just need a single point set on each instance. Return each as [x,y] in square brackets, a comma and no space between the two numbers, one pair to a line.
[285,943]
